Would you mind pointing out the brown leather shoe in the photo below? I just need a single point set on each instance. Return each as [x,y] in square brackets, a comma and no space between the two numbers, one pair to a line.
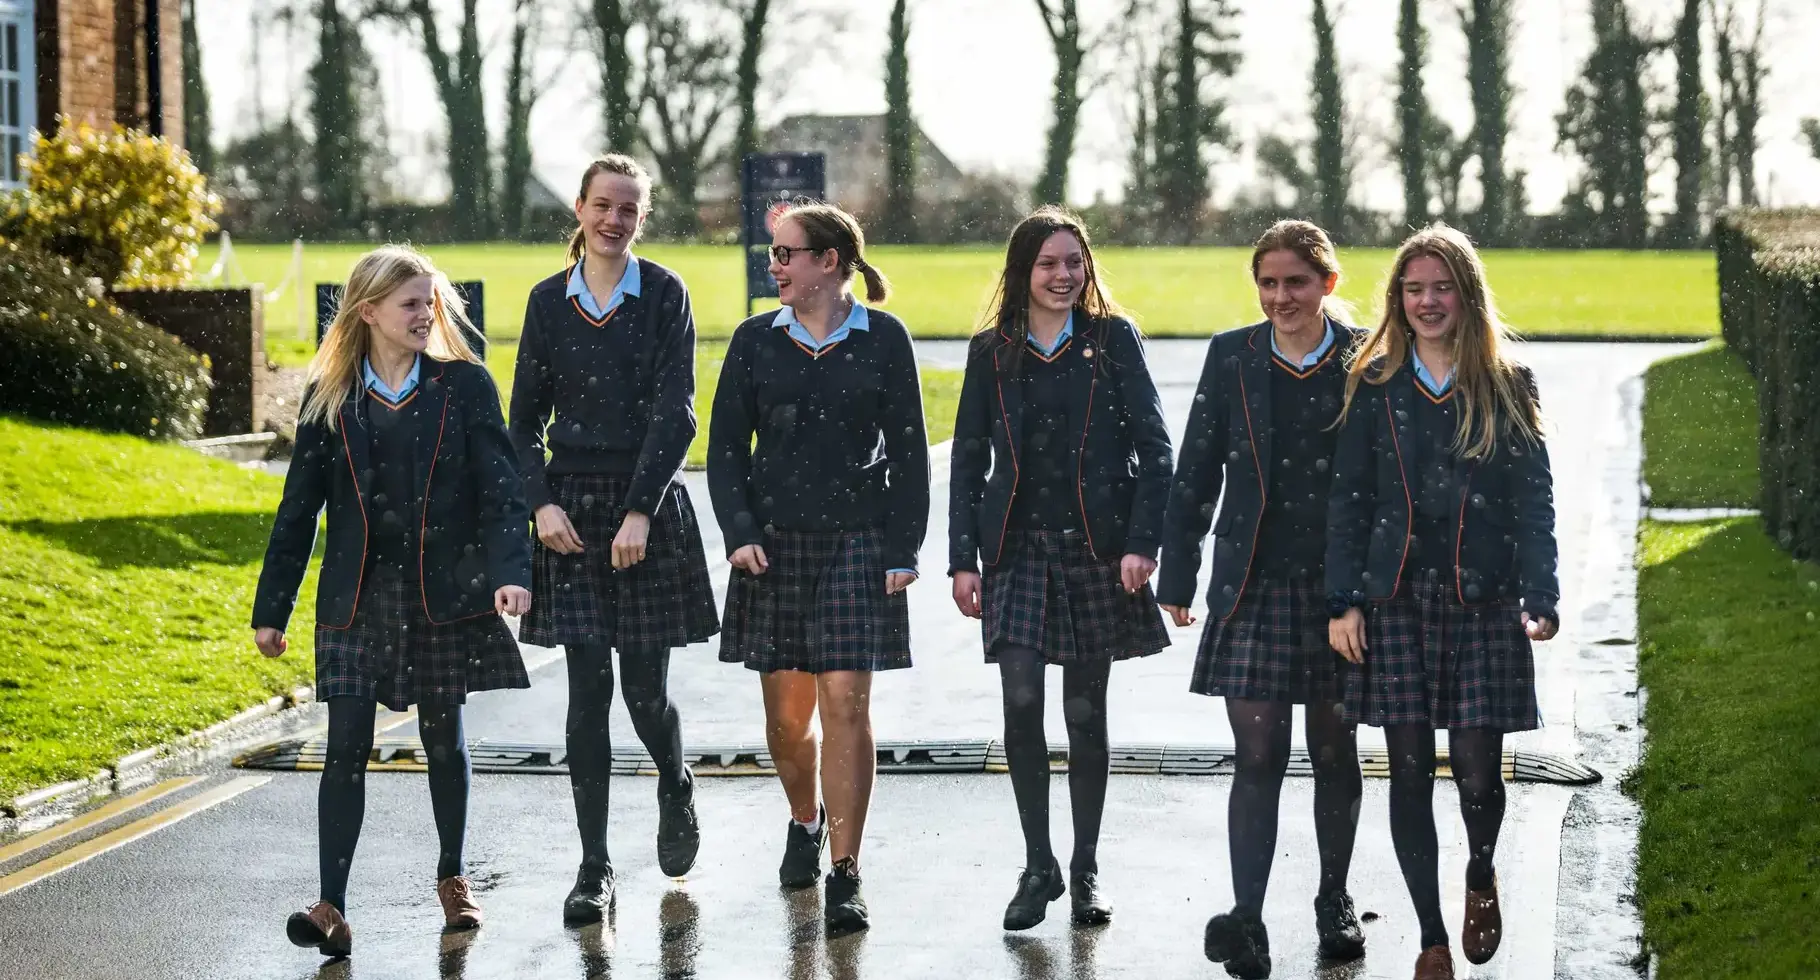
[1435,963]
[321,927]
[1484,925]
[459,909]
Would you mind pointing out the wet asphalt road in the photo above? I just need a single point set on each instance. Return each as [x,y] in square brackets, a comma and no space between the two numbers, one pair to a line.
[207,897]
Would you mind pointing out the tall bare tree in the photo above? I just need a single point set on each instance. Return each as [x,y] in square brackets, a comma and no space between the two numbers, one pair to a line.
[524,86]
[1412,112]
[1738,49]
[1689,127]
[458,85]
[619,110]
[1488,32]
[689,90]
[898,222]
[1063,23]
[753,16]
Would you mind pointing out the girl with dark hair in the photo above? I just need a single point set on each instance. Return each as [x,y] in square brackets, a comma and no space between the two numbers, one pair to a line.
[1258,445]
[1060,474]
[609,349]
[823,518]
[401,439]
[1442,444]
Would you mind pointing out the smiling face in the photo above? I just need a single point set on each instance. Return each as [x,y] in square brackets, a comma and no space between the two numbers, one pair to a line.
[612,214]
[401,320]
[1290,291]
[806,276]
[1431,298]
[1059,275]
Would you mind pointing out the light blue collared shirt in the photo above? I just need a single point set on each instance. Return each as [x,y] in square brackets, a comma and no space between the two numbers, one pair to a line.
[857,319]
[1060,338]
[375,382]
[630,284]
[1314,356]
[1428,380]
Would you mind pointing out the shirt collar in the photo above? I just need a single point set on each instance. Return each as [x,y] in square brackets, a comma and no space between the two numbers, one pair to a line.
[857,319]
[1060,338]
[1427,378]
[1314,356]
[376,383]
[631,283]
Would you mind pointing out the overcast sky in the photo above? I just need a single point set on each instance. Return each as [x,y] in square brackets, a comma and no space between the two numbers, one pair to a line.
[980,79]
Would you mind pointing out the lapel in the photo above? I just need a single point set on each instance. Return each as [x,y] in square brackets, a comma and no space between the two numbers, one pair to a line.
[1085,376]
[434,412]
[1010,396]
[354,440]
[1254,383]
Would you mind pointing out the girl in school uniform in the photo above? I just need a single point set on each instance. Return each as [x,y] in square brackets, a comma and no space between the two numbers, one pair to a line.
[609,350]
[1259,445]
[401,438]
[1059,480]
[823,520]
[1441,564]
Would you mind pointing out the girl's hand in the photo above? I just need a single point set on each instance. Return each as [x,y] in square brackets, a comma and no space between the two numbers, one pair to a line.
[555,531]
[967,593]
[512,600]
[896,582]
[1347,635]
[1539,628]
[629,543]
[1135,570]
[270,642]
[1181,615]
[750,559]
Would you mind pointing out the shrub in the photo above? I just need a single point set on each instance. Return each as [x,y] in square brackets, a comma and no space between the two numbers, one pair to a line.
[70,357]
[123,206]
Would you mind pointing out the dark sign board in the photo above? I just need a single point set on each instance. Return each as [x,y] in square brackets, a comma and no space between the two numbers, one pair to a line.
[473,294]
[767,183]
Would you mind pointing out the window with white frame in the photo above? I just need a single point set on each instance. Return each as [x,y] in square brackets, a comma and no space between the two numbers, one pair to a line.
[18,87]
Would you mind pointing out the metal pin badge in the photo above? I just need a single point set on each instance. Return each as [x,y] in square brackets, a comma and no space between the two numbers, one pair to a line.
[1086,352]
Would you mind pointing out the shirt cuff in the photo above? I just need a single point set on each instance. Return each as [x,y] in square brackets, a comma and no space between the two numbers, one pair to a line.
[903,571]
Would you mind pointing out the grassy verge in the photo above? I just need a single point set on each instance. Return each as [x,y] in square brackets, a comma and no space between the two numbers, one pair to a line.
[1700,430]
[127,571]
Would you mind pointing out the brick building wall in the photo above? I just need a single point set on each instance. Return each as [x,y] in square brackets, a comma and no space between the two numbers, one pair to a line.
[92,63]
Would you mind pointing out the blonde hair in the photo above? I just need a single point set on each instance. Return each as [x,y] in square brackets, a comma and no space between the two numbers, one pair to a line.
[1310,243]
[612,163]
[1494,398]
[334,370]
[828,227]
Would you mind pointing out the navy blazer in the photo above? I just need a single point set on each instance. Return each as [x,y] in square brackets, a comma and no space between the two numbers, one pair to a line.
[1225,449]
[1506,537]
[474,529]
[1122,459]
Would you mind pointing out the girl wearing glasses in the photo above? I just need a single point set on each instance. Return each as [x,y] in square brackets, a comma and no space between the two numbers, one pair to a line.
[823,519]
[1060,476]
[609,349]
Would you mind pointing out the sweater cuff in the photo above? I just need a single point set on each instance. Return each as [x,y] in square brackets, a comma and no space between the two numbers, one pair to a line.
[1142,547]
[537,492]
[1540,606]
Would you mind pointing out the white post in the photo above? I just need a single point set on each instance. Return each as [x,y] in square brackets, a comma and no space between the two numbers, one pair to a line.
[306,317]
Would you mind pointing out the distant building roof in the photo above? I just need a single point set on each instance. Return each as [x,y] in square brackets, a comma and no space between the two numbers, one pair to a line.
[855,150]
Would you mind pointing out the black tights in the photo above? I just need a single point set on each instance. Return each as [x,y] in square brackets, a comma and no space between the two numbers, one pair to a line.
[1027,752]
[1476,756]
[644,681]
[341,798]
[1261,731]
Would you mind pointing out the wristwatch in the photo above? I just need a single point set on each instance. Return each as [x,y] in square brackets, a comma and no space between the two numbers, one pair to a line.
[1339,603]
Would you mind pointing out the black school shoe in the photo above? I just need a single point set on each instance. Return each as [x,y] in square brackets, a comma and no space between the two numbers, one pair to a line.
[1036,888]
[678,832]
[844,908]
[591,897]
[1240,943]
[1338,926]
[1090,906]
[802,864]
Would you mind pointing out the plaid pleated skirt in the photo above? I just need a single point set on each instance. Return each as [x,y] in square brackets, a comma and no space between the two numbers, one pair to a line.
[1431,661]
[394,655]
[1273,647]
[664,601]
[820,606]
[1049,593]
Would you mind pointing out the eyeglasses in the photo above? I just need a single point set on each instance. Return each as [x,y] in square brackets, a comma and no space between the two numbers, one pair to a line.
[782,254]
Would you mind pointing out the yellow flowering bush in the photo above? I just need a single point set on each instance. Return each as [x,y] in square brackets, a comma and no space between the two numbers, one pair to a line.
[121,205]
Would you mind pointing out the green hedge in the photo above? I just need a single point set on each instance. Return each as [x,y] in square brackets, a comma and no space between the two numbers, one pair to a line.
[1769,312]
[71,358]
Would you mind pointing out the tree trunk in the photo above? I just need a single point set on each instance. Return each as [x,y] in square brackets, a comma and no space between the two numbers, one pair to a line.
[1690,140]
[1330,177]
[470,164]
[619,117]
[899,218]
[1412,112]
[1488,61]
[1063,23]
[339,151]
[517,149]
[745,140]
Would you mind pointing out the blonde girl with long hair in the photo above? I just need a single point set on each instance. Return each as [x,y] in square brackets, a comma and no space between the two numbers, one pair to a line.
[1442,445]
[401,439]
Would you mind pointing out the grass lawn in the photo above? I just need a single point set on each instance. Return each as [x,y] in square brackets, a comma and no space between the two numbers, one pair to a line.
[1700,428]
[941,292]
[127,571]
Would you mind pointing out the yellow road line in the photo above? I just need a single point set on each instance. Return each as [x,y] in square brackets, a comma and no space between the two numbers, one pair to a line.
[52,835]
[385,724]
[121,836]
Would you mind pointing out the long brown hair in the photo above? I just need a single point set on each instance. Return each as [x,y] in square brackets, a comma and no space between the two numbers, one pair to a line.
[1493,397]
[828,228]
[1310,243]
[332,372]
[612,163]
[1009,308]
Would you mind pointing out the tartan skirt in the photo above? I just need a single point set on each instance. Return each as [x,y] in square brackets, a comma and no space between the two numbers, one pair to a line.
[1273,647]
[1049,593]
[391,653]
[820,606]
[1432,661]
[664,601]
